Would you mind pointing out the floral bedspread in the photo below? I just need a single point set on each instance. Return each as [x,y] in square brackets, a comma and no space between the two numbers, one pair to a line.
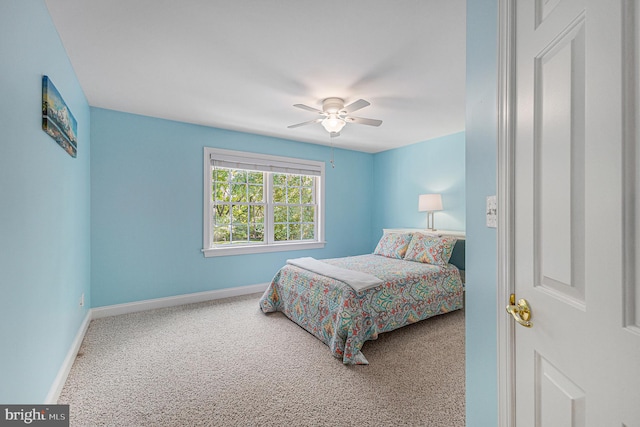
[344,319]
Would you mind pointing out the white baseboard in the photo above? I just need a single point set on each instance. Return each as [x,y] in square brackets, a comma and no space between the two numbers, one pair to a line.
[63,372]
[132,307]
[150,304]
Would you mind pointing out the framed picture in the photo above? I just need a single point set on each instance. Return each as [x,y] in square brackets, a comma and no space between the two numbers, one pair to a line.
[57,120]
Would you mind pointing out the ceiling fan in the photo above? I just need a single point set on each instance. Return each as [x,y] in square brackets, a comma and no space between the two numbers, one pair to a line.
[334,115]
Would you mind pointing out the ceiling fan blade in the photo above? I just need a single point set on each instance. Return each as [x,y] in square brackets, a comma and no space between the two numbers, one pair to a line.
[305,123]
[356,105]
[306,107]
[363,121]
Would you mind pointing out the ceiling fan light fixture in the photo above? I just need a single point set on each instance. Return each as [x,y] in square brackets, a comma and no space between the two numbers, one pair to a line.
[335,115]
[333,123]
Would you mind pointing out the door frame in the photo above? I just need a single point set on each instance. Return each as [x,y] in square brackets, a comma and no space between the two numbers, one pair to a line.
[505,204]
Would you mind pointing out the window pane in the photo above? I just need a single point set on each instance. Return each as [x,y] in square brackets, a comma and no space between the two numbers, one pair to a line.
[293,195]
[240,214]
[307,195]
[307,214]
[279,179]
[280,214]
[221,215]
[294,231]
[256,177]
[221,192]
[221,234]
[256,214]
[308,232]
[294,213]
[238,175]
[220,174]
[293,180]
[256,193]
[240,232]
[238,193]
[279,194]
[307,181]
[256,233]
[280,232]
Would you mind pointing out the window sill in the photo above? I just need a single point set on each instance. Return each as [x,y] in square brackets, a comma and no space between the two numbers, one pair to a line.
[257,249]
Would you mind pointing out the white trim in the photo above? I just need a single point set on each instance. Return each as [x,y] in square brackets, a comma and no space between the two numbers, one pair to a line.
[630,93]
[505,230]
[150,304]
[459,234]
[266,162]
[206,215]
[258,249]
[67,363]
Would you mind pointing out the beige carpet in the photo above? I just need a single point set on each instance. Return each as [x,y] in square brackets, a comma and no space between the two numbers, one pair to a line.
[225,363]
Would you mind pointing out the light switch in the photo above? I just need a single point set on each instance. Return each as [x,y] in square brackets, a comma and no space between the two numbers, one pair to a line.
[492,212]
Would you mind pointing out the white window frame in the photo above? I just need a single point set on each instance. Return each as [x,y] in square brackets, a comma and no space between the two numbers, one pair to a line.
[267,163]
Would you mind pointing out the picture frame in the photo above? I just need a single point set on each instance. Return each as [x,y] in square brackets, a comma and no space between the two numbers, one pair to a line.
[57,120]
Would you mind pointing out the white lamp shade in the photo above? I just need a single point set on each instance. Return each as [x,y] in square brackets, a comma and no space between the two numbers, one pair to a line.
[333,123]
[430,202]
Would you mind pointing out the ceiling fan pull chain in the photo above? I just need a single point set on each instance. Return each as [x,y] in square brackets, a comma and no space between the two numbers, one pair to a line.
[333,165]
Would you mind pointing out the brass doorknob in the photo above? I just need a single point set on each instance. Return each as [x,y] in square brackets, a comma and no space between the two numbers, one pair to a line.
[521,312]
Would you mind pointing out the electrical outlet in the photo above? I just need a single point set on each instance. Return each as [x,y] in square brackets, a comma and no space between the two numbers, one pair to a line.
[82,300]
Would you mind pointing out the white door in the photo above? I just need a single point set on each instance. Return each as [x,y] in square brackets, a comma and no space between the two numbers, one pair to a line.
[575,156]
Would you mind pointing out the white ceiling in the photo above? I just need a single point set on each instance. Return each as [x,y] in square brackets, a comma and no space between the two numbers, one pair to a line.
[242,64]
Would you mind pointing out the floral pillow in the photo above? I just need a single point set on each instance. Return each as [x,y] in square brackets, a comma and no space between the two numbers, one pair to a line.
[430,249]
[393,245]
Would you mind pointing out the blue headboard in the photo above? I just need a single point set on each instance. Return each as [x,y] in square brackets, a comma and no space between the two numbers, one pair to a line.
[458,255]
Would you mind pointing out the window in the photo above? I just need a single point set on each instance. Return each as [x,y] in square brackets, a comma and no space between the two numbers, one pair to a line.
[259,203]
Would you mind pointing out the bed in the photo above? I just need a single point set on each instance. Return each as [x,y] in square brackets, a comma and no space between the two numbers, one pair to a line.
[410,279]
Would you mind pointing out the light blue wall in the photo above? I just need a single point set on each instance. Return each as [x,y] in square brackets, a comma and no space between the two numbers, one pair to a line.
[481,125]
[146,195]
[44,208]
[402,174]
